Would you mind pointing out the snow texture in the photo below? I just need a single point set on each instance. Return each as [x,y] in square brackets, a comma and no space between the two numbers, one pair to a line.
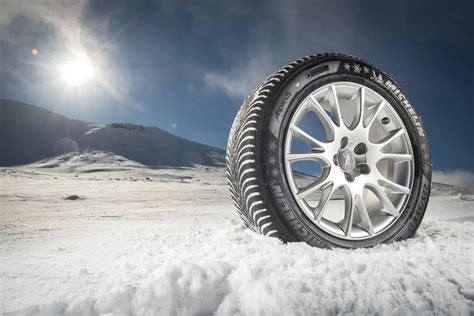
[136,240]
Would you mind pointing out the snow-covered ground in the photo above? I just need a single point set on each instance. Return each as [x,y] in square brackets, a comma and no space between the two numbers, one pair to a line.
[95,233]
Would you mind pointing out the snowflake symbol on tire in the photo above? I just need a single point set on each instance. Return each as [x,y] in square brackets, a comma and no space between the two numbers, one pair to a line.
[347,66]
[356,68]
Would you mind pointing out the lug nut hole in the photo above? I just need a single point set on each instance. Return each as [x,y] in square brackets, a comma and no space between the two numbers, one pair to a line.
[385,120]
[360,149]
[344,142]
[363,169]
[349,178]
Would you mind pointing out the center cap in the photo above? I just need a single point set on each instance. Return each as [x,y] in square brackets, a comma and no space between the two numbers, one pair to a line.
[346,160]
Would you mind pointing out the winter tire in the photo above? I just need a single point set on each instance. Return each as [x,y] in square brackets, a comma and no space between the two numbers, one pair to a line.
[329,150]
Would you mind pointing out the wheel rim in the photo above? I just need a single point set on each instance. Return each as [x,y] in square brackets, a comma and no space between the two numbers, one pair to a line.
[364,156]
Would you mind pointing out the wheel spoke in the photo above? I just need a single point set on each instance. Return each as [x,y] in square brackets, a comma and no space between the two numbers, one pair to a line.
[396,157]
[305,156]
[380,107]
[365,221]
[391,137]
[348,212]
[360,110]
[362,106]
[388,206]
[395,187]
[328,124]
[326,195]
[335,109]
[315,156]
[307,190]
[308,139]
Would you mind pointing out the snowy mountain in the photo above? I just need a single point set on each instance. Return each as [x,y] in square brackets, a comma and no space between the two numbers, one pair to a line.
[441,189]
[30,133]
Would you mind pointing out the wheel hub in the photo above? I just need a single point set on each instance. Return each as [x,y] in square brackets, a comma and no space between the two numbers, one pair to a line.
[351,159]
[346,160]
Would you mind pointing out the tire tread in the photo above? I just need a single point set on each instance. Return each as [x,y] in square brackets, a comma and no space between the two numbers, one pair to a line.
[241,154]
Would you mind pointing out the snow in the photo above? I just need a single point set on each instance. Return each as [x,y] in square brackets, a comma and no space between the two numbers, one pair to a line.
[148,241]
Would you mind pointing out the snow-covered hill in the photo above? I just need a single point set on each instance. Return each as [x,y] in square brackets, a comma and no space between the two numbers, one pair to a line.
[30,133]
[93,233]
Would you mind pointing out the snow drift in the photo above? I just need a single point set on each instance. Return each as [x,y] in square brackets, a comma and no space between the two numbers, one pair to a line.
[232,271]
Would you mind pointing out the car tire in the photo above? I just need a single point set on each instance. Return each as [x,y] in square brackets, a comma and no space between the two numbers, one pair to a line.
[396,181]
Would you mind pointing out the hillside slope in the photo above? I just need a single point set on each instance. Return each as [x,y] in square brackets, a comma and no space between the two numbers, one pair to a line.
[29,133]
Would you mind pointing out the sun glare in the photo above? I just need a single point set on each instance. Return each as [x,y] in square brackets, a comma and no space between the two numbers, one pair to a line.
[77,71]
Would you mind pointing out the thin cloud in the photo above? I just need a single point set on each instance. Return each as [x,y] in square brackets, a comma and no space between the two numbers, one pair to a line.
[62,14]
[280,37]
[240,81]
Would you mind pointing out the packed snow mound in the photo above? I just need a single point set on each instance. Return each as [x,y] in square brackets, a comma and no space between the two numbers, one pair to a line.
[30,133]
[232,271]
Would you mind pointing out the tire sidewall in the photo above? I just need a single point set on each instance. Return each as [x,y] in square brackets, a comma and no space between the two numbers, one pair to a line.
[278,110]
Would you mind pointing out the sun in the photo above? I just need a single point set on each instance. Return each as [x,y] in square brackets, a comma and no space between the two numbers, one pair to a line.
[77,70]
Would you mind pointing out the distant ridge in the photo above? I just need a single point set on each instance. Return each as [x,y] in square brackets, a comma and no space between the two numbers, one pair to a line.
[29,133]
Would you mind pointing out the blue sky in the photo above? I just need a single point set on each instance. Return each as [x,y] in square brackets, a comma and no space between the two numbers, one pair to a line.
[186,66]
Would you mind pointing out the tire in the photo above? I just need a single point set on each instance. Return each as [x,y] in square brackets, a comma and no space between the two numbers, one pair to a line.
[259,161]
